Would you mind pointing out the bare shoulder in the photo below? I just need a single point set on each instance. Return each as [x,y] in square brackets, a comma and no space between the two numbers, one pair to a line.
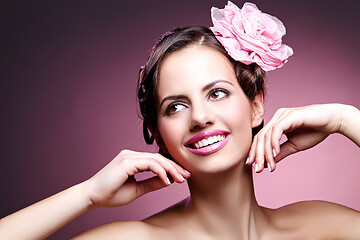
[319,218]
[170,216]
[117,230]
[153,227]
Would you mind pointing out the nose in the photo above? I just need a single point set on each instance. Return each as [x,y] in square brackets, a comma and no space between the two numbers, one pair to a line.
[201,117]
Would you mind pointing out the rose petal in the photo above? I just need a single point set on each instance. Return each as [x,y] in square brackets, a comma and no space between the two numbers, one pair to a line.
[250,35]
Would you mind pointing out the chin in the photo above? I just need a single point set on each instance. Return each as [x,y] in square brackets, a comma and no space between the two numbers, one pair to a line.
[214,163]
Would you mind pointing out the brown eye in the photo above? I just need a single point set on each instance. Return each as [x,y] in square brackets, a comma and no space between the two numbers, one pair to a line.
[173,108]
[218,94]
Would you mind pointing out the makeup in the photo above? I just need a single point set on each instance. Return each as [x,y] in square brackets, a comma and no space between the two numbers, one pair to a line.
[208,142]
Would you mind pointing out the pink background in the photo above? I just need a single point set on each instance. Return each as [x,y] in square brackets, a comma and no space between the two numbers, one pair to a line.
[68,105]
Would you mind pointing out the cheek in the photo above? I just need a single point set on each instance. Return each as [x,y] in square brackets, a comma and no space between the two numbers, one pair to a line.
[170,132]
[237,113]
[238,117]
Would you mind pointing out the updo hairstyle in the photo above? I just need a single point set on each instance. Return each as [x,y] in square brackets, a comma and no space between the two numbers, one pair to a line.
[250,77]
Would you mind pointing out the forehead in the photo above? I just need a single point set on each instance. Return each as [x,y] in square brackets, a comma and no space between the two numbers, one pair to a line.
[192,67]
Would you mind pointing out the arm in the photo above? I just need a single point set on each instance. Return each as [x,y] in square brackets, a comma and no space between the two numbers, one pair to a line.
[43,218]
[350,124]
[304,128]
[113,186]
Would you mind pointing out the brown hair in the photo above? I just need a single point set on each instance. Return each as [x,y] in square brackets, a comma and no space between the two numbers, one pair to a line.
[250,77]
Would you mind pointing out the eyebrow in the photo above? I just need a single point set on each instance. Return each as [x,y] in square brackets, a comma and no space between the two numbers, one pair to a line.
[206,87]
[210,85]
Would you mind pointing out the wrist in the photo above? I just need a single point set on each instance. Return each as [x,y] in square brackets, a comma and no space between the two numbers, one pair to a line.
[83,190]
[349,114]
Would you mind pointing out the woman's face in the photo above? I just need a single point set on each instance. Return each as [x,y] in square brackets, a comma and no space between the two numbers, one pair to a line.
[204,118]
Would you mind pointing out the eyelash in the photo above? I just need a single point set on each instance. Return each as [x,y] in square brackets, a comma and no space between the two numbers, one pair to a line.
[174,104]
[216,90]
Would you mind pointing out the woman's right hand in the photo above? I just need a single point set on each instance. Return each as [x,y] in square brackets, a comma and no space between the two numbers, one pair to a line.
[115,185]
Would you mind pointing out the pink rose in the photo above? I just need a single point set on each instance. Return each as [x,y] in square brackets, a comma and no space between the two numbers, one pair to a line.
[250,35]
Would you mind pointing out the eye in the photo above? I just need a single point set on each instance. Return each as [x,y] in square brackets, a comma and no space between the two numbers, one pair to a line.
[217,94]
[173,108]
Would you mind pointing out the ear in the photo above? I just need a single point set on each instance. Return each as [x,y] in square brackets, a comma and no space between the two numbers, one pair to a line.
[257,110]
[158,139]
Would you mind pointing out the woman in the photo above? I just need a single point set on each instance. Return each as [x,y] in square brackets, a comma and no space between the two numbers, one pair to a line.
[202,107]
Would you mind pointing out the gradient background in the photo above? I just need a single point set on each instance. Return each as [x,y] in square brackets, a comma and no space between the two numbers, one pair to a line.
[68,106]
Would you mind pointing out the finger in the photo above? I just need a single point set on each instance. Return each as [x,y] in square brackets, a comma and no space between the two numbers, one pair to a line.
[252,152]
[166,164]
[172,169]
[286,149]
[269,153]
[149,185]
[281,125]
[184,173]
[277,132]
[141,165]
[276,135]
[161,158]
[291,121]
[259,154]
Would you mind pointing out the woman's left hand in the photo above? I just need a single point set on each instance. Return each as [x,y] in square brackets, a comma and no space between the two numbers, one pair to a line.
[304,128]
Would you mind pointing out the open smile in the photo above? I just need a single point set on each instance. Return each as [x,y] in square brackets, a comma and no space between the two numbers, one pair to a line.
[207,142]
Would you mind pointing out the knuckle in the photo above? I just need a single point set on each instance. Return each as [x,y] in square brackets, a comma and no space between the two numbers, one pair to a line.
[273,142]
[158,155]
[154,160]
[261,136]
[267,135]
[293,113]
[125,161]
[281,110]
[276,128]
[124,152]
[152,164]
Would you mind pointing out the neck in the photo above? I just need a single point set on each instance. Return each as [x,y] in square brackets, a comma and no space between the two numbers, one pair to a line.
[224,203]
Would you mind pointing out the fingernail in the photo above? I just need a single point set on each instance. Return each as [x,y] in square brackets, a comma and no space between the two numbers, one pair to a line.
[168,181]
[247,161]
[274,153]
[182,178]
[187,172]
[256,167]
[269,168]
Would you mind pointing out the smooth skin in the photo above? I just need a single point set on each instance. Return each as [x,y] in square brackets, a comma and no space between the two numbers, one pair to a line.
[222,203]
[304,128]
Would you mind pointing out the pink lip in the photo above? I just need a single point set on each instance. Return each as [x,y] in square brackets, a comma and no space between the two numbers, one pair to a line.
[210,148]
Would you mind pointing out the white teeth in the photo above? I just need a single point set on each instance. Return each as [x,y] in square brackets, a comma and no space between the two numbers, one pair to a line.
[209,141]
[204,142]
